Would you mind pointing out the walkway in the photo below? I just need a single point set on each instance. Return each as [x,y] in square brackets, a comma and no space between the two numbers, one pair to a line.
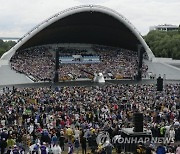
[171,72]
[9,76]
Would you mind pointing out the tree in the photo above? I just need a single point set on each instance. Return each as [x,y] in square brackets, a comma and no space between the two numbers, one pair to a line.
[164,44]
[5,46]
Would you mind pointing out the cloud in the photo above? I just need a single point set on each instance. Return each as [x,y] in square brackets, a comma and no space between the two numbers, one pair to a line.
[22,16]
[18,17]
[92,1]
[145,13]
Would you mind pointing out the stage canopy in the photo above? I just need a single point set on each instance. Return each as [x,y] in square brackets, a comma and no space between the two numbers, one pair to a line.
[84,24]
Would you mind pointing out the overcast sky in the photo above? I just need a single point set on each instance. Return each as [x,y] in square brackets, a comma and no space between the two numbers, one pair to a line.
[17,17]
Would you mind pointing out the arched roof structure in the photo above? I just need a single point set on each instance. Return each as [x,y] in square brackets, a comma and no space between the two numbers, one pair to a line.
[90,24]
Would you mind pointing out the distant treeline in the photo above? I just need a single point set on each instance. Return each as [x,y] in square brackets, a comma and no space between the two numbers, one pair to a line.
[5,46]
[164,44]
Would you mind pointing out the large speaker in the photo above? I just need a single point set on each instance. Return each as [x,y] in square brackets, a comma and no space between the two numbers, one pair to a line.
[133,139]
[138,122]
[159,84]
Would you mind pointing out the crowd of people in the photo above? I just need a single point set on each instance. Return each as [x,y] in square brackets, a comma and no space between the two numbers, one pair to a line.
[68,119]
[119,63]
[39,63]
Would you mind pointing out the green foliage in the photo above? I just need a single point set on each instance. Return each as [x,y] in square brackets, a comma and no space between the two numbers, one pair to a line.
[5,46]
[164,44]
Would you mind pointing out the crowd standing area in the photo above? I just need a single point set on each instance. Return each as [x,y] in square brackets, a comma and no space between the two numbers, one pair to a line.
[68,119]
[39,64]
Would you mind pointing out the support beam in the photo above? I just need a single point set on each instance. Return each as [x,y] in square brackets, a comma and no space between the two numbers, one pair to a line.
[56,74]
[140,61]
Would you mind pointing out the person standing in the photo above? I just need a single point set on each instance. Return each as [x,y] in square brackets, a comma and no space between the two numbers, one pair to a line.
[35,148]
[83,144]
[140,149]
[108,147]
[15,150]
[70,149]
[3,145]
[62,140]
[10,141]
[161,150]
[44,149]
[69,133]
[172,134]
[54,139]
[178,150]
[77,133]
[76,145]
[149,149]
[56,149]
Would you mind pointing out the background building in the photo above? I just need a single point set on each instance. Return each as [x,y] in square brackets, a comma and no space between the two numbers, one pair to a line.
[164,27]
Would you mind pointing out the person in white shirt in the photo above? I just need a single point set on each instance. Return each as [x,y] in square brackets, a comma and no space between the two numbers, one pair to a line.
[31,128]
[56,149]
[35,148]
[172,134]
[176,123]
[77,133]
[178,150]
[3,122]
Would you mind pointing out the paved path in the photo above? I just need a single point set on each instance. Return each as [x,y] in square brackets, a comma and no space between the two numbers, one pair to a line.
[171,72]
[9,76]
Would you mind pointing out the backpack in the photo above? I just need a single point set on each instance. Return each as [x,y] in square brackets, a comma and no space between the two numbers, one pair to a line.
[43,149]
[71,150]
[15,151]
[76,143]
[50,150]
[36,147]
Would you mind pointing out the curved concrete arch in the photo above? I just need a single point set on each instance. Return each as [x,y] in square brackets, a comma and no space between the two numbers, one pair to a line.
[72,11]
